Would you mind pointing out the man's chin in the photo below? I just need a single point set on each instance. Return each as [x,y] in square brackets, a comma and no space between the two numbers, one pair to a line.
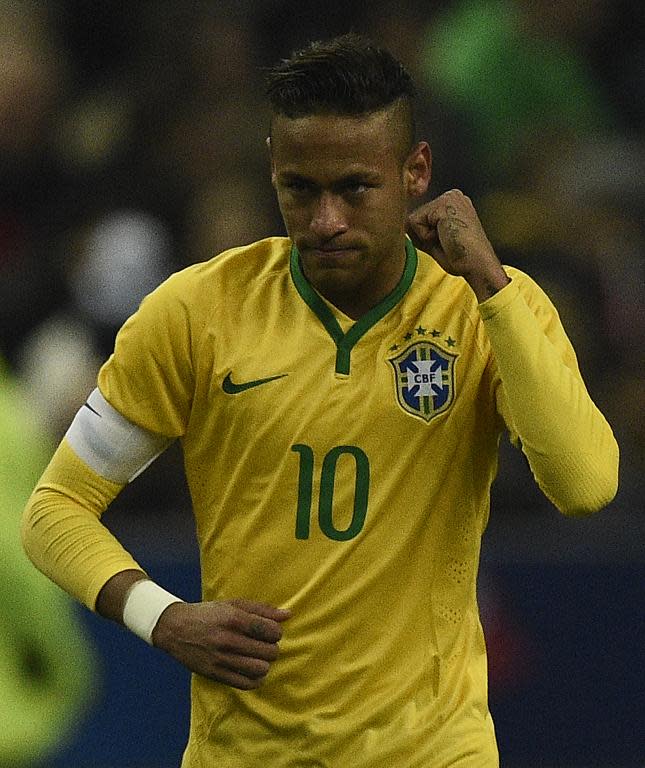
[333,277]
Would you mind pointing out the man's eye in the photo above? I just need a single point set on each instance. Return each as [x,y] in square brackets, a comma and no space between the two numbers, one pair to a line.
[296,186]
[356,188]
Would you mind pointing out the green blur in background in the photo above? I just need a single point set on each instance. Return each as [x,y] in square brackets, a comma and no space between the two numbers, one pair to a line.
[47,672]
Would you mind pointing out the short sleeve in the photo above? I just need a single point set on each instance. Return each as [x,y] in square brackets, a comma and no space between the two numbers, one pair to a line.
[149,377]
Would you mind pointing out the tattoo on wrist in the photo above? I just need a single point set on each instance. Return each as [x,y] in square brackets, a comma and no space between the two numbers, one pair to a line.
[490,288]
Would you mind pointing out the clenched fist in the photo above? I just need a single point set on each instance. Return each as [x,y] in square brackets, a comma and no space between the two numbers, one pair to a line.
[449,229]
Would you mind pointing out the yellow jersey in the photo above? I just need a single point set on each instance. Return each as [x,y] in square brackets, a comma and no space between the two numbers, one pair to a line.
[342,470]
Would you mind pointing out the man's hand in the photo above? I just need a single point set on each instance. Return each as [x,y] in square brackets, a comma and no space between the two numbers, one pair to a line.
[232,642]
[449,229]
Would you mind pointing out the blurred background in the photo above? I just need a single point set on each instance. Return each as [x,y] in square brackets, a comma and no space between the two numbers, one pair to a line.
[132,144]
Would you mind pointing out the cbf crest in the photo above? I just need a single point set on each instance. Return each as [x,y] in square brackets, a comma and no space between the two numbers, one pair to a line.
[425,379]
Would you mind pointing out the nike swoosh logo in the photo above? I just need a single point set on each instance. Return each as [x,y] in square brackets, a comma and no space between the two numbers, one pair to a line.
[231,388]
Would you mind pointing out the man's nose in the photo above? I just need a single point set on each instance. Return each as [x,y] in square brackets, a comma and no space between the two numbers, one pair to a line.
[328,219]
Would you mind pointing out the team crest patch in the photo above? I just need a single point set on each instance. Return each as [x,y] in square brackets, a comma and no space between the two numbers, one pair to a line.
[425,379]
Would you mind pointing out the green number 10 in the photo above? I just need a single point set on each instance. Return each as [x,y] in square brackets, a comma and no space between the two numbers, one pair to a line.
[326,501]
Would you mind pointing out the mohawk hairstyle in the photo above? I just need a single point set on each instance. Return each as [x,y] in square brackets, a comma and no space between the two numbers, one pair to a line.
[347,75]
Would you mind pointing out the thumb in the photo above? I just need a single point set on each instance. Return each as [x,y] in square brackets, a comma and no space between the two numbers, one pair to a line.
[423,234]
[420,230]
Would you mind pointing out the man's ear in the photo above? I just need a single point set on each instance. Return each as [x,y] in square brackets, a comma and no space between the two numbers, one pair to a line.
[268,143]
[418,170]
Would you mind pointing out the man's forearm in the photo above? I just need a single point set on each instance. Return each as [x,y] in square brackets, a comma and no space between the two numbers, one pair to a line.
[111,598]
[569,445]
[62,532]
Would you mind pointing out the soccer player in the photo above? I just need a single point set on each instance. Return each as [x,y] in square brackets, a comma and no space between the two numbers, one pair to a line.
[339,396]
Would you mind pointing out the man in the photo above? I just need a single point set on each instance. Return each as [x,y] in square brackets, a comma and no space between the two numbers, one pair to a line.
[339,397]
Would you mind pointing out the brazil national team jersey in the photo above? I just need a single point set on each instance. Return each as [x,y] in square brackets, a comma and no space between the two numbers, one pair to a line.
[341,469]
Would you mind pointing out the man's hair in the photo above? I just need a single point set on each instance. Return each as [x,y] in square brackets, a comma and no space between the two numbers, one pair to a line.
[347,76]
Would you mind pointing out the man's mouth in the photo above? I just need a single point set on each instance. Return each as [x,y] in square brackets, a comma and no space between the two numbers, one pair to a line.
[328,249]
[333,257]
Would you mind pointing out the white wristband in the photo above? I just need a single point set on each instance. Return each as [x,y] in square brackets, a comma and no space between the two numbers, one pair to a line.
[144,604]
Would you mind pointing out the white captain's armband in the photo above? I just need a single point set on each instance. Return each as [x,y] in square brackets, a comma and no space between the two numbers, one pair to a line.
[112,446]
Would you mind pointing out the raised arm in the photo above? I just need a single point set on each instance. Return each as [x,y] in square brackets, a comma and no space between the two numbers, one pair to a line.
[541,395]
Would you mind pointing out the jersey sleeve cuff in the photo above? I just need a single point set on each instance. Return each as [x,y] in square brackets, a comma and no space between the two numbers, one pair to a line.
[502,299]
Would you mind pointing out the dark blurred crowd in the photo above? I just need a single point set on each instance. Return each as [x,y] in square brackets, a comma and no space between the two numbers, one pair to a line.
[132,144]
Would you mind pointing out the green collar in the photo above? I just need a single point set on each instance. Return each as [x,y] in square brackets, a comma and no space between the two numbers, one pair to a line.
[346,341]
